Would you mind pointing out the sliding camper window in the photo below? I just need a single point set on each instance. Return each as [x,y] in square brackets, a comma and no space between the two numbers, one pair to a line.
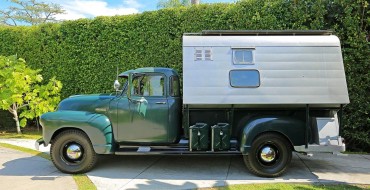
[244,78]
[243,56]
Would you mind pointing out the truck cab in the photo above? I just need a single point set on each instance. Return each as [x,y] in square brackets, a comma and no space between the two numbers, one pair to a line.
[147,110]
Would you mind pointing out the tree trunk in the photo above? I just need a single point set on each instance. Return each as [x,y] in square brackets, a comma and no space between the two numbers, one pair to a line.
[195,2]
[16,119]
[38,124]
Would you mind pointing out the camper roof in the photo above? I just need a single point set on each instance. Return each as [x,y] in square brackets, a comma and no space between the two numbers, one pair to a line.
[260,32]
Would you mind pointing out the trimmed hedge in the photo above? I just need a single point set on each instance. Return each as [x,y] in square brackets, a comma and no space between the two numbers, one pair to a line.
[84,54]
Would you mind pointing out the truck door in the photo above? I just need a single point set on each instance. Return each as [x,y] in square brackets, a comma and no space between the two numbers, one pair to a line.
[148,107]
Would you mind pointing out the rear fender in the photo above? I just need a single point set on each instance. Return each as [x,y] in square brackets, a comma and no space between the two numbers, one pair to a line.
[291,128]
[97,127]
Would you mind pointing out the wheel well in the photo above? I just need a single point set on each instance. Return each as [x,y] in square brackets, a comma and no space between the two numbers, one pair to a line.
[277,133]
[57,132]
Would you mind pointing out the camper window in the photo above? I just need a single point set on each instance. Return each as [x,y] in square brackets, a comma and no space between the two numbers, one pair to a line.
[244,78]
[243,56]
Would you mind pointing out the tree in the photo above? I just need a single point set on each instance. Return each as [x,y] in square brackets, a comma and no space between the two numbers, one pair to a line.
[21,91]
[29,12]
[195,2]
[172,3]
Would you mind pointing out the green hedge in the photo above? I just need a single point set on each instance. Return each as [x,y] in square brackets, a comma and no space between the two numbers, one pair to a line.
[84,54]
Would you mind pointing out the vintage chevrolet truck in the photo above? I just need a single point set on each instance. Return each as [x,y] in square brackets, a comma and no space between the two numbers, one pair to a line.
[258,94]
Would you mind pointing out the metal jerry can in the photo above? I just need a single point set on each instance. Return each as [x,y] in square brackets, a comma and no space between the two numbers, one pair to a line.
[221,136]
[198,136]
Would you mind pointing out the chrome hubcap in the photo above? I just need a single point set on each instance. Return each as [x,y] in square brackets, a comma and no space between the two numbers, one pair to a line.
[268,154]
[74,151]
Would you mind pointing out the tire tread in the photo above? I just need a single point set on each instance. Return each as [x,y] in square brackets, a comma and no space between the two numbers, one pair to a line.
[93,156]
[256,172]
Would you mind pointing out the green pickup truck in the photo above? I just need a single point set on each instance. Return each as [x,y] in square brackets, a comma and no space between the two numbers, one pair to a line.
[258,94]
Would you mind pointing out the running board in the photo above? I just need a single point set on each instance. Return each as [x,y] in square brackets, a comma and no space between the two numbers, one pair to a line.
[175,149]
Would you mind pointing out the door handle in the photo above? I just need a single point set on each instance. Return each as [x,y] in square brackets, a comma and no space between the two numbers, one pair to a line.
[137,101]
[160,103]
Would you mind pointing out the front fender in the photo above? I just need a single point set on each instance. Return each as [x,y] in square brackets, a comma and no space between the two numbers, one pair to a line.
[97,127]
[293,129]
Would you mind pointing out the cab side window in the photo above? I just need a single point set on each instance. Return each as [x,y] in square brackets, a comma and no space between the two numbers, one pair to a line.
[148,85]
[174,86]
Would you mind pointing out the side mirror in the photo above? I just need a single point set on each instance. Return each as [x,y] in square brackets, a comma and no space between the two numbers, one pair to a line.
[116,85]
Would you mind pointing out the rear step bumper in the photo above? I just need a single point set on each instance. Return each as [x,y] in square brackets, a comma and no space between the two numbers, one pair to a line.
[334,145]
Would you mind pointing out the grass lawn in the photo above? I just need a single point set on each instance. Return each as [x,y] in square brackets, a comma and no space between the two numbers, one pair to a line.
[26,134]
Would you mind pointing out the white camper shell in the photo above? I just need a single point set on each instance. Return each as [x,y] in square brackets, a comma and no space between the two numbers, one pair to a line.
[268,68]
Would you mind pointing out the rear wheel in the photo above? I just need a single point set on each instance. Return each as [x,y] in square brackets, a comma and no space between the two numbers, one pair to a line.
[269,156]
[72,152]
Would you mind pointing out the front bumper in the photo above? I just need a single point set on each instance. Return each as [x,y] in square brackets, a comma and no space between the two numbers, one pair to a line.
[39,142]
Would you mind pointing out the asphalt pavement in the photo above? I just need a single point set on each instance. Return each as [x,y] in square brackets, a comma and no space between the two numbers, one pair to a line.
[189,172]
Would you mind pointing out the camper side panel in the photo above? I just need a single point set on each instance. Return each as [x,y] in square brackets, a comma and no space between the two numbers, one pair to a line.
[288,74]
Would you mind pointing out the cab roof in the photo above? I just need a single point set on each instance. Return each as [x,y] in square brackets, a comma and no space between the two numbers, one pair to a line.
[166,71]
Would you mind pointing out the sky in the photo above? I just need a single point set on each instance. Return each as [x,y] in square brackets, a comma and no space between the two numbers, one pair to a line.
[76,9]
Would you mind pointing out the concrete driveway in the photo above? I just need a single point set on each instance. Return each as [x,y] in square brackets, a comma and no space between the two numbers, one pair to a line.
[22,171]
[187,172]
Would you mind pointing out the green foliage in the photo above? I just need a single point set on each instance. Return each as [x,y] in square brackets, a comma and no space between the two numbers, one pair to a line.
[20,90]
[84,54]
[352,22]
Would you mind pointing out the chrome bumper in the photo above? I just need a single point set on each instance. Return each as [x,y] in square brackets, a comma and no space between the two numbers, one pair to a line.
[38,143]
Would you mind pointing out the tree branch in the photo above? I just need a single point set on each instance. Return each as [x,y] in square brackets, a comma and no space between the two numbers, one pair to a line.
[47,17]
[24,5]
[22,106]
[27,13]
[8,16]
[15,24]
[30,11]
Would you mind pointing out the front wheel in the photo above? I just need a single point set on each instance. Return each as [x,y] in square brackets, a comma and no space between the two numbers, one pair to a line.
[72,152]
[269,156]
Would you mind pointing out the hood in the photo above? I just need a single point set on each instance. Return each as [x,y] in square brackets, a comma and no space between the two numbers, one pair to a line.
[94,103]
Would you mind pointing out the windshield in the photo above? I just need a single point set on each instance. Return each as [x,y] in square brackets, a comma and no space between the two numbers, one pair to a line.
[124,89]
[124,81]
